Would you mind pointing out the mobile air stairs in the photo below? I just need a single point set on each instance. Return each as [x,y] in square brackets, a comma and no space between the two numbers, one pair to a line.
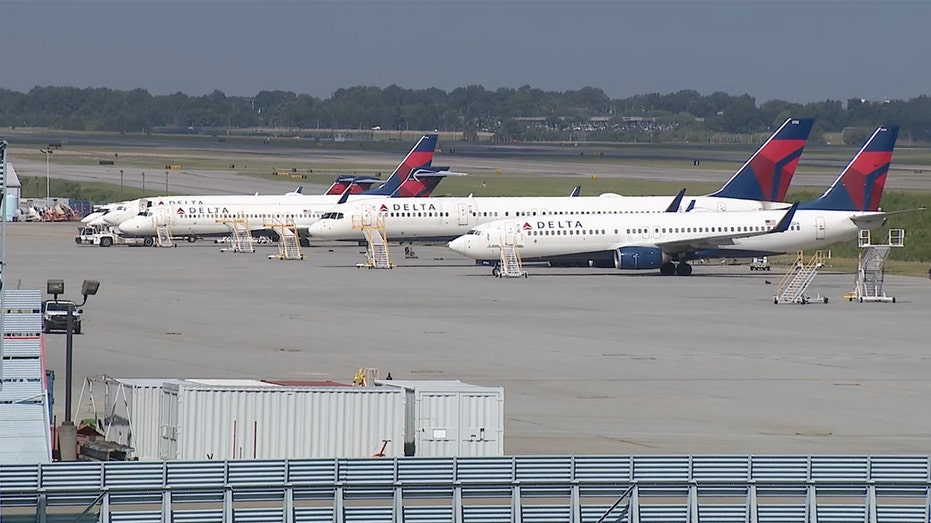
[793,287]
[373,228]
[289,245]
[241,239]
[868,285]
[510,265]
[160,218]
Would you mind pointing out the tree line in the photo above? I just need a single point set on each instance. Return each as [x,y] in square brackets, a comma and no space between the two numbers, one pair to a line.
[524,113]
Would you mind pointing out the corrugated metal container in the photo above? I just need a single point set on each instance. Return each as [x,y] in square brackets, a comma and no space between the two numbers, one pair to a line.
[135,415]
[200,421]
[451,418]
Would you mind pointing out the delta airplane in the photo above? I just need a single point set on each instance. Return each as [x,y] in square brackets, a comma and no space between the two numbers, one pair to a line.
[668,241]
[401,183]
[759,184]
[195,216]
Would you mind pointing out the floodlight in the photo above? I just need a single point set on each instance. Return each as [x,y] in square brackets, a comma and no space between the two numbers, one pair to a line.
[55,287]
[89,288]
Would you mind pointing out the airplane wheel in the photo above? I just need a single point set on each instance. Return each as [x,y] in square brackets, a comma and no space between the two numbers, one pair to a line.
[825,299]
[496,272]
[893,299]
[667,269]
[191,239]
[684,269]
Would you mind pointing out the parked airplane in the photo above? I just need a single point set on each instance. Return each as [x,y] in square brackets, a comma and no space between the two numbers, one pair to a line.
[759,184]
[418,159]
[668,241]
[194,216]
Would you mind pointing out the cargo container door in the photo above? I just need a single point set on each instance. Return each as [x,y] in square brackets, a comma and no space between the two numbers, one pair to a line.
[482,424]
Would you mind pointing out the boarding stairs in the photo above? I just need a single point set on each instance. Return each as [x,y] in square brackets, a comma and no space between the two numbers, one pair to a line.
[241,239]
[373,228]
[868,286]
[793,287]
[160,219]
[510,265]
[289,246]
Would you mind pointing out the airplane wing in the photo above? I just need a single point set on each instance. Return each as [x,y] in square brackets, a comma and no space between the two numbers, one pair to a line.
[877,219]
[676,202]
[716,240]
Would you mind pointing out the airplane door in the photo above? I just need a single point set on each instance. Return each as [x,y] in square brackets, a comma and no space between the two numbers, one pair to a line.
[819,227]
[463,214]
[162,215]
[367,215]
[512,234]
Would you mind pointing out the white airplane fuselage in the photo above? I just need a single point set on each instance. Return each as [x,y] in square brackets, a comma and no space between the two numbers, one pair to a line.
[443,219]
[209,215]
[551,237]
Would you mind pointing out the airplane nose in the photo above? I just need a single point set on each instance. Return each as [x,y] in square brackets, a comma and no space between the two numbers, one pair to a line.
[458,245]
[128,227]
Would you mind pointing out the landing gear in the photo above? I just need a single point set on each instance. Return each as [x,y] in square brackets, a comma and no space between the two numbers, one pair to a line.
[304,242]
[670,268]
[496,272]
[683,269]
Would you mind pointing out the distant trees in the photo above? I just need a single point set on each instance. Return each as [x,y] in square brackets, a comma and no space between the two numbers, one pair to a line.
[524,113]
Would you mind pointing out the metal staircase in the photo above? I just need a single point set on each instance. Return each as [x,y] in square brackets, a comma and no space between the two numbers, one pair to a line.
[241,239]
[510,265]
[289,247]
[868,285]
[161,218]
[793,287]
[373,228]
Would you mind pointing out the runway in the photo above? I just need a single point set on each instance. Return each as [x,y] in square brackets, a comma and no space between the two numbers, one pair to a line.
[593,361]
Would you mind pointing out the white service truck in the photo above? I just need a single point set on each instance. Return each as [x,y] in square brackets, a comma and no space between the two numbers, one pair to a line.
[760,264]
[106,236]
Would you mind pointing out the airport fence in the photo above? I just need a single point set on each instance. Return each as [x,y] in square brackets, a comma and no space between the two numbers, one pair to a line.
[544,489]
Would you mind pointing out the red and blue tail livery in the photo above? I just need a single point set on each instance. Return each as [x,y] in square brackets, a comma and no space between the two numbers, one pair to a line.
[767,174]
[859,187]
[421,156]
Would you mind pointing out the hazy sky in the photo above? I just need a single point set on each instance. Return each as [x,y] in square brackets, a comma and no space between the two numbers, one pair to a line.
[793,50]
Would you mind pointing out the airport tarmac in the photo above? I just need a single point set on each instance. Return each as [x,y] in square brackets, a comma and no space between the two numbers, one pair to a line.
[593,361]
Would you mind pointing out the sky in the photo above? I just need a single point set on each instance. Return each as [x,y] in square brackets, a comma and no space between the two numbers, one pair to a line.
[799,51]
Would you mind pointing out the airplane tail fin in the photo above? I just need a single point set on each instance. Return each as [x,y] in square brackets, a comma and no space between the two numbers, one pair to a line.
[357,184]
[421,182]
[421,156]
[767,173]
[859,187]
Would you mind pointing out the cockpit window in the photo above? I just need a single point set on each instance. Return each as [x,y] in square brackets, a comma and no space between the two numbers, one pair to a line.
[476,232]
[332,216]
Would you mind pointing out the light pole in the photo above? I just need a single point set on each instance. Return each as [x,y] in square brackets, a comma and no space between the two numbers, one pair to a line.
[143,184]
[47,153]
[67,433]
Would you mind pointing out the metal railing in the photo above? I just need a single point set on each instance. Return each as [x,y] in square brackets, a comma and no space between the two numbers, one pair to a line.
[572,489]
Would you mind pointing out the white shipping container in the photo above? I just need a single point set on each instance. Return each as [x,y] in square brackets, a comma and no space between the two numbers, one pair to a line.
[451,418]
[200,421]
[133,414]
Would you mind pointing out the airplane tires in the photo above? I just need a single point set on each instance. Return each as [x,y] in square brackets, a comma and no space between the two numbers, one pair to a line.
[684,269]
[667,269]
[191,239]
[149,241]
[496,272]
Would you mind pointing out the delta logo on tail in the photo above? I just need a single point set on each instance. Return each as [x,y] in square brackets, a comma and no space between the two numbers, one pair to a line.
[860,185]
[767,174]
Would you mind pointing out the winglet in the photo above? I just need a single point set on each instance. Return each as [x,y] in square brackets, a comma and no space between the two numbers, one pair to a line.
[786,220]
[691,206]
[345,196]
[676,202]
[576,191]
[300,189]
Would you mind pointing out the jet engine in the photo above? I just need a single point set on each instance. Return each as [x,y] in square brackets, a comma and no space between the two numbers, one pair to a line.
[638,258]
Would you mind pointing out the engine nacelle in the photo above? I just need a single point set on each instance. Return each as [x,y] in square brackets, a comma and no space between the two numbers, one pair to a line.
[638,258]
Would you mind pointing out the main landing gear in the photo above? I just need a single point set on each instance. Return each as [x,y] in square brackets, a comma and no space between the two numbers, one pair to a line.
[670,268]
